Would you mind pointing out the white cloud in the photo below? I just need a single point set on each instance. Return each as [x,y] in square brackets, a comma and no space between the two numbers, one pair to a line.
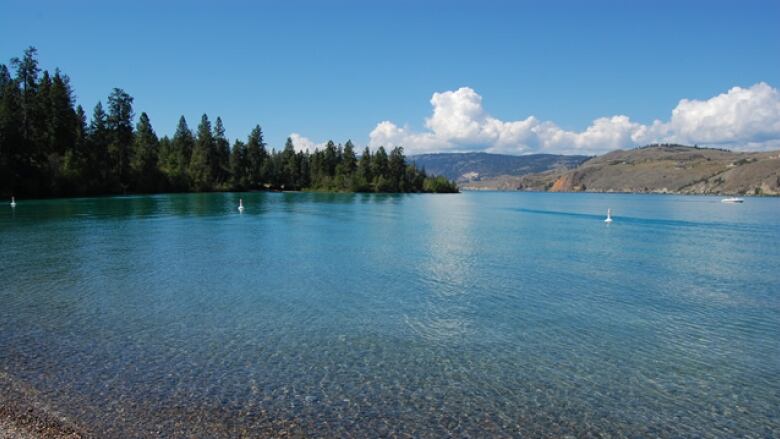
[742,118]
[304,143]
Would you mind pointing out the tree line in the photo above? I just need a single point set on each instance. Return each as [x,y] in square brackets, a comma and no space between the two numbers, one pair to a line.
[49,148]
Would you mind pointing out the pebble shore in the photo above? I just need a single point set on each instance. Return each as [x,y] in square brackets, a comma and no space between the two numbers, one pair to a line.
[24,416]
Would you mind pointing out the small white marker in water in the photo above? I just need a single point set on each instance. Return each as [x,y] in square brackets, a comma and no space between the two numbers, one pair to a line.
[240,205]
[13,202]
[609,216]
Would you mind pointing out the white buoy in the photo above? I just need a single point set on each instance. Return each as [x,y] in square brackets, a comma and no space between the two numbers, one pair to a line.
[609,216]
[240,205]
[13,202]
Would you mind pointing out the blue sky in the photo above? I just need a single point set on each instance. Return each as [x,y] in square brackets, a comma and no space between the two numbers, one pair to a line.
[336,69]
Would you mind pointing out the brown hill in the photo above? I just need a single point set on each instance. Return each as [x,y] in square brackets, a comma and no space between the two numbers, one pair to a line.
[658,169]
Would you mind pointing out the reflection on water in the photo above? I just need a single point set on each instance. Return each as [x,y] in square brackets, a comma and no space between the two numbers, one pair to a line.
[479,314]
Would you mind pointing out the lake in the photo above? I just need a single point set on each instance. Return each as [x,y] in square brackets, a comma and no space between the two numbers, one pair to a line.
[331,315]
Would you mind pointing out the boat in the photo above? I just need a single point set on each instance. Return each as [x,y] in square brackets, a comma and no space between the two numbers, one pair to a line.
[609,216]
[732,200]
[240,205]
[13,202]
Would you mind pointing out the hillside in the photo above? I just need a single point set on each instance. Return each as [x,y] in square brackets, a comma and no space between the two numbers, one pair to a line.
[657,169]
[477,166]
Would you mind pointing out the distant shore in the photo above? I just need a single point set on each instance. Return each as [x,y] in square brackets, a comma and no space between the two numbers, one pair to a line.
[721,194]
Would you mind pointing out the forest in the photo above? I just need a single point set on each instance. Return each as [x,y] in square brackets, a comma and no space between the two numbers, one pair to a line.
[49,148]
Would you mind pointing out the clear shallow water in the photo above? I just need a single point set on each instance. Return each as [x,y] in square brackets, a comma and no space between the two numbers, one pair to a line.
[476,314]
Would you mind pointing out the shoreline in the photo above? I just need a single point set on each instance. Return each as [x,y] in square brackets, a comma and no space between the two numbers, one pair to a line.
[692,194]
[24,416]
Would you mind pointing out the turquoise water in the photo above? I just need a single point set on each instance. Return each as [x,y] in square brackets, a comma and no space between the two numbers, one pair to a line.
[470,315]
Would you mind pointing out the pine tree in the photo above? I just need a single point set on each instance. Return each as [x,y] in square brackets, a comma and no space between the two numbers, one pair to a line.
[178,161]
[239,166]
[365,175]
[330,159]
[397,170]
[98,162]
[27,76]
[62,118]
[290,166]
[349,163]
[222,168]
[380,170]
[256,158]
[303,166]
[203,156]
[144,164]
[120,126]
[11,138]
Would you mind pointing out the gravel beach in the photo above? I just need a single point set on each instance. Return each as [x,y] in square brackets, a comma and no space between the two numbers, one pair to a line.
[23,415]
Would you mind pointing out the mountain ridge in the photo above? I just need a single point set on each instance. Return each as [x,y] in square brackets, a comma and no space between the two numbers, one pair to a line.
[658,168]
[476,166]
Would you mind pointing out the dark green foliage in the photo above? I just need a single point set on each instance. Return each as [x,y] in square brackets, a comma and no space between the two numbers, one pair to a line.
[222,164]
[47,148]
[439,185]
[203,162]
[177,159]
[239,166]
[146,171]
[256,157]
[120,128]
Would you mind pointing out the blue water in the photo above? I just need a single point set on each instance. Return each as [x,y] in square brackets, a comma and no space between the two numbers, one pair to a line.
[469,315]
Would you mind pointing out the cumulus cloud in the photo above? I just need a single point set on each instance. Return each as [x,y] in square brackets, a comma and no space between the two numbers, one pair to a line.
[742,118]
[302,143]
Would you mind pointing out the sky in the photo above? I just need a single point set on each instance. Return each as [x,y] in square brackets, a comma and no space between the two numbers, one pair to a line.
[513,77]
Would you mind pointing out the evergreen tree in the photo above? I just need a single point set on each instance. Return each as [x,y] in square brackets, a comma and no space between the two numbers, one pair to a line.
[397,170]
[365,175]
[11,137]
[349,161]
[239,167]
[380,170]
[166,163]
[203,157]
[290,166]
[304,180]
[27,77]
[40,135]
[98,162]
[222,164]
[46,148]
[62,119]
[330,159]
[256,157]
[179,161]
[74,170]
[144,163]
[120,126]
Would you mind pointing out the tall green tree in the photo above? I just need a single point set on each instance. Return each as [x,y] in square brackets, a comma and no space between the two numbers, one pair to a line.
[256,156]
[330,159]
[381,170]
[62,121]
[203,157]
[239,166]
[222,164]
[290,166]
[97,157]
[120,126]
[11,136]
[365,175]
[176,159]
[397,170]
[144,163]
[349,161]
[27,77]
